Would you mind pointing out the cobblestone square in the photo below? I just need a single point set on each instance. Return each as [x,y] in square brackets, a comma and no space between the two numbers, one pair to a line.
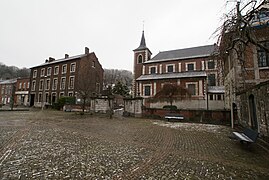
[58,145]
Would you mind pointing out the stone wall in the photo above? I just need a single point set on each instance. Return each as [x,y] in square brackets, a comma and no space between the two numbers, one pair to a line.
[133,106]
[260,94]
[202,116]
[192,104]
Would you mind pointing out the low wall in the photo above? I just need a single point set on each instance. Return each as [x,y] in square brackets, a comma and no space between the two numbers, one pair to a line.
[206,116]
[133,107]
[260,118]
[192,104]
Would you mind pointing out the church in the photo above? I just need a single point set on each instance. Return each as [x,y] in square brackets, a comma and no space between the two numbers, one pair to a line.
[195,69]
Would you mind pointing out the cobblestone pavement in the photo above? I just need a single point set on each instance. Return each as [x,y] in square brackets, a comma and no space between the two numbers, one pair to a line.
[58,145]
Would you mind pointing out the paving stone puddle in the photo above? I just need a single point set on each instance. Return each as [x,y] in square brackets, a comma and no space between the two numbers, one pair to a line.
[58,145]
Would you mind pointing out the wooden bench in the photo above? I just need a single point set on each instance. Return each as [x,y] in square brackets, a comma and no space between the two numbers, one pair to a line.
[173,117]
[247,136]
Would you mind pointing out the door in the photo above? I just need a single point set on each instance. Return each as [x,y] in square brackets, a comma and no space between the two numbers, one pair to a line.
[252,111]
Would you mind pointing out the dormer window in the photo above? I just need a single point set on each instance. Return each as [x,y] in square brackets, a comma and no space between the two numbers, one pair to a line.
[139,59]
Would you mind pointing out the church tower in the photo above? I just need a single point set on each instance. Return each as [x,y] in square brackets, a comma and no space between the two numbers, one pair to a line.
[141,55]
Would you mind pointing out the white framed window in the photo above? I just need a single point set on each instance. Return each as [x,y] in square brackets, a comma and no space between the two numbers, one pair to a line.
[48,71]
[211,64]
[41,84]
[170,68]
[93,64]
[20,85]
[61,94]
[28,84]
[191,66]
[54,83]
[47,84]
[192,88]
[34,73]
[24,85]
[33,85]
[56,70]
[70,94]
[139,59]
[153,70]
[42,74]
[62,85]
[71,82]
[73,67]
[64,68]
[147,90]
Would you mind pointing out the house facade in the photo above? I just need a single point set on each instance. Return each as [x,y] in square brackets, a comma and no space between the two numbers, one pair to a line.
[65,77]
[246,75]
[22,91]
[7,92]
[193,69]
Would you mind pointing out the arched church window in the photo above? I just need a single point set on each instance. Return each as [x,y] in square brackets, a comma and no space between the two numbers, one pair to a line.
[140,59]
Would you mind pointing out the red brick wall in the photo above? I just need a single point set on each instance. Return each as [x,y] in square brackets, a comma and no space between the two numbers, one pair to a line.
[217,117]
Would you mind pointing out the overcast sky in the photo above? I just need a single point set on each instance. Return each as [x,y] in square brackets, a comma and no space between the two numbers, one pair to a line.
[33,30]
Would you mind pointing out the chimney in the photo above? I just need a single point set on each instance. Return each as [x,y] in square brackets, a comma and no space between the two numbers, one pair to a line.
[66,56]
[87,50]
[46,61]
[51,59]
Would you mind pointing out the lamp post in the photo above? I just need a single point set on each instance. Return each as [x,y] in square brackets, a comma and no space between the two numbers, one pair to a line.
[43,93]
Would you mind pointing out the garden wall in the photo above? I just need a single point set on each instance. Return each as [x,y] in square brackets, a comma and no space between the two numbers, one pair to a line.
[204,116]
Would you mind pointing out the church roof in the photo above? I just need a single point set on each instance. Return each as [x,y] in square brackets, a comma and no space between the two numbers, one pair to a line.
[187,53]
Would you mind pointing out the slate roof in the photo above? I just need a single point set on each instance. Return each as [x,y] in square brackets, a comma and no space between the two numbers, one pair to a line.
[216,89]
[172,75]
[61,60]
[142,45]
[8,81]
[187,53]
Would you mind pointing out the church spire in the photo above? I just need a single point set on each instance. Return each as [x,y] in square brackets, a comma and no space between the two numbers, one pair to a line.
[142,42]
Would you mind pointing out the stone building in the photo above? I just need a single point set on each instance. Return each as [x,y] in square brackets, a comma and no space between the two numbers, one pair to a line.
[195,69]
[246,74]
[70,76]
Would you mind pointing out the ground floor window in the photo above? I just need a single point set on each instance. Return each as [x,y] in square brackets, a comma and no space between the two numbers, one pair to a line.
[192,89]
[147,91]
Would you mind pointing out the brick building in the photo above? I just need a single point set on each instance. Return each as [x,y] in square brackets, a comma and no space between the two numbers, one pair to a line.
[246,74]
[7,92]
[22,91]
[65,77]
[193,69]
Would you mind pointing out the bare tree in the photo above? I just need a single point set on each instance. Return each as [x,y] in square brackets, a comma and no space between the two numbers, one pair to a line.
[241,37]
[171,92]
[86,84]
[244,27]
